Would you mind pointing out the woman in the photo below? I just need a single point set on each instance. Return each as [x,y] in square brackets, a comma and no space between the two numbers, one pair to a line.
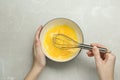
[104,63]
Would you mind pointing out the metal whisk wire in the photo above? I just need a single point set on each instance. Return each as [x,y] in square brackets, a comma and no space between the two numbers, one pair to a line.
[64,42]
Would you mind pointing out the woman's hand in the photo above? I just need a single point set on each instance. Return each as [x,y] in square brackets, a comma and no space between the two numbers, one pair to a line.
[39,57]
[104,63]
[39,60]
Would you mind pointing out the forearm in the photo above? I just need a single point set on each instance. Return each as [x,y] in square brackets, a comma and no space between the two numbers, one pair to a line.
[107,78]
[34,73]
[107,75]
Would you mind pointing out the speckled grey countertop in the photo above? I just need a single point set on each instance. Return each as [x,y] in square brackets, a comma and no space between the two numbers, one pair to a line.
[19,19]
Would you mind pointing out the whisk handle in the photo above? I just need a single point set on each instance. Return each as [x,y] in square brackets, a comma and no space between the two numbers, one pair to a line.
[90,47]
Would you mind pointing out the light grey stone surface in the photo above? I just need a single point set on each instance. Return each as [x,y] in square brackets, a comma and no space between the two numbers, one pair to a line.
[19,19]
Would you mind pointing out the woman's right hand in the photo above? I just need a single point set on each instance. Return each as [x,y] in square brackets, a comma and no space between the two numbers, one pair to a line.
[104,63]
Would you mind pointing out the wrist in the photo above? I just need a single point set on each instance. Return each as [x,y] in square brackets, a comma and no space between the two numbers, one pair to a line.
[39,64]
[37,68]
[34,72]
[107,78]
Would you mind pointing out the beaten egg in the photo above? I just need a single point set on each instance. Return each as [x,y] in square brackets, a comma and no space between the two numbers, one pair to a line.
[55,53]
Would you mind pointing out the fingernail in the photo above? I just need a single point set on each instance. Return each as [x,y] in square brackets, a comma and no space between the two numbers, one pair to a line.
[94,47]
[41,26]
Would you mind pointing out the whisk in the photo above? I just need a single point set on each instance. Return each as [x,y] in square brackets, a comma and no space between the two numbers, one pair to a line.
[64,42]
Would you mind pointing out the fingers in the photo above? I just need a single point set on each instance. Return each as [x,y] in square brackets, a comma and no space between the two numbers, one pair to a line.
[36,39]
[39,57]
[98,45]
[36,45]
[106,57]
[96,53]
[110,56]
[93,52]
[38,33]
[37,36]
[110,59]
[90,54]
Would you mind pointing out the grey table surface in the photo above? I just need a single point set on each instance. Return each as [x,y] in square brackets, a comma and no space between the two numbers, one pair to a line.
[19,19]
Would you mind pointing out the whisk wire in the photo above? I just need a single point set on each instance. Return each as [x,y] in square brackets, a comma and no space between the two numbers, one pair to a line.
[64,42]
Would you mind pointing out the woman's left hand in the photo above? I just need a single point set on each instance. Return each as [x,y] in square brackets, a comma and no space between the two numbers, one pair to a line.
[39,57]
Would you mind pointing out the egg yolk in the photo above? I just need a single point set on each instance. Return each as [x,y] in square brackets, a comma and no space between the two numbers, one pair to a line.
[57,53]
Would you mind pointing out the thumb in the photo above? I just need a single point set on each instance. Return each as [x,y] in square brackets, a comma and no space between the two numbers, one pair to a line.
[96,53]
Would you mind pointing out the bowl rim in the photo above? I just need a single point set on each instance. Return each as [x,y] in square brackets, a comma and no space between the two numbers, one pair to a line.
[81,35]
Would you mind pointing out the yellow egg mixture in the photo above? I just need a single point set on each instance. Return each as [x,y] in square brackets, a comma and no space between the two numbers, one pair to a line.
[57,53]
